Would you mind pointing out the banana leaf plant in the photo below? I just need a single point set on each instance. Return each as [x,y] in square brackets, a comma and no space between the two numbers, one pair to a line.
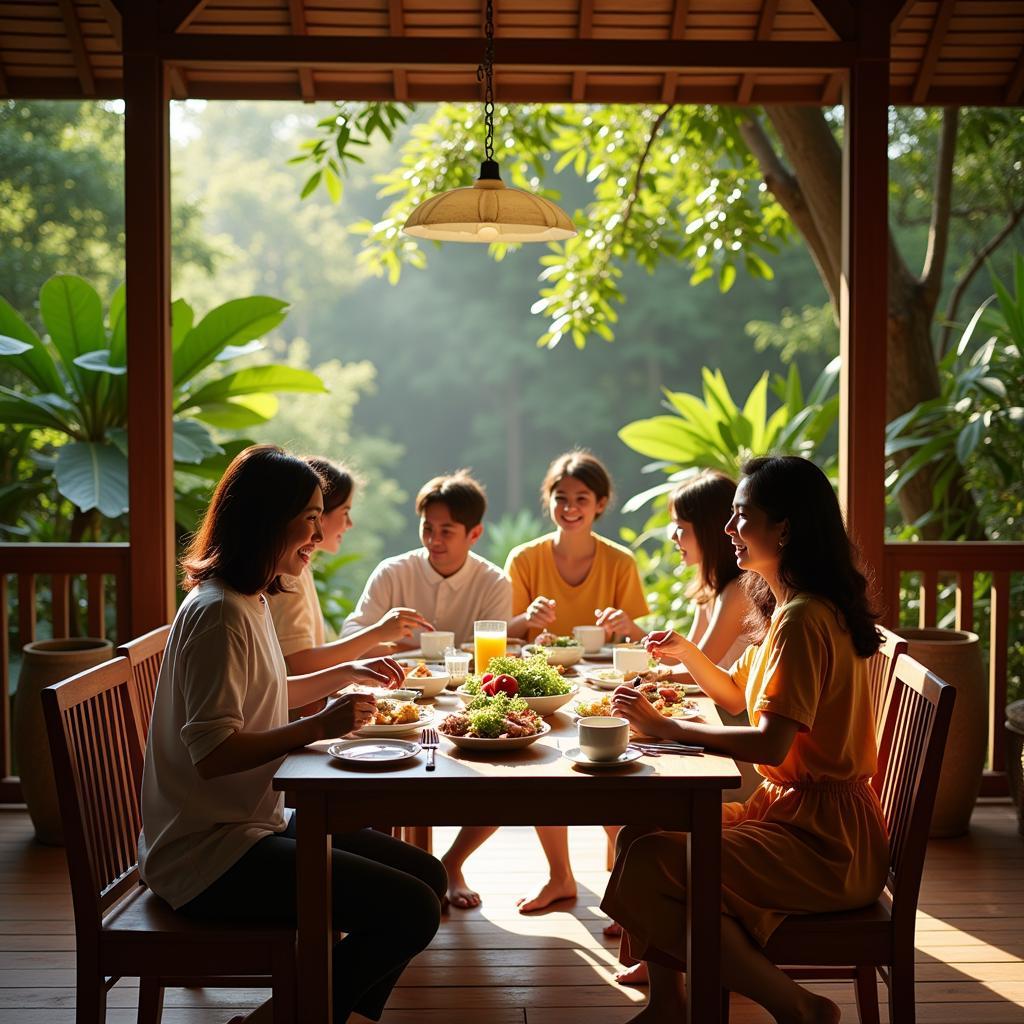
[75,385]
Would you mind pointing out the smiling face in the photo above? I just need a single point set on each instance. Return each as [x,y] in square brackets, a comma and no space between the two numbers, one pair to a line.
[573,506]
[683,535]
[756,540]
[302,534]
[447,541]
[335,524]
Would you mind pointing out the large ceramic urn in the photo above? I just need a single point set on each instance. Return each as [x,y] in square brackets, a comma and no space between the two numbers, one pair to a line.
[44,663]
[954,655]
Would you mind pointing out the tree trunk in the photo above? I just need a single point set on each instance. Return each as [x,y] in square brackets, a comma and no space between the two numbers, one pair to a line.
[815,159]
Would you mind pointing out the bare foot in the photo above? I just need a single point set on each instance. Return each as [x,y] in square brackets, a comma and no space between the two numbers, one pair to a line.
[550,892]
[612,931]
[459,894]
[817,1009]
[635,975]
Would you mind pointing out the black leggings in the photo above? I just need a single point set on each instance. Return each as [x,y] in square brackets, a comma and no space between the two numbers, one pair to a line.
[386,897]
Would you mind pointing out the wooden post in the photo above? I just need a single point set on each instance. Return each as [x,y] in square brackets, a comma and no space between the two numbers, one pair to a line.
[147,258]
[864,291]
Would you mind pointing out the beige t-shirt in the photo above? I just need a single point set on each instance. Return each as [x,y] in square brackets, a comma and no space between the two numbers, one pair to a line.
[297,616]
[223,672]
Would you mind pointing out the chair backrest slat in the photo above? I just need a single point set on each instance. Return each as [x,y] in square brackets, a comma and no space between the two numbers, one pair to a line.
[881,665]
[919,709]
[146,655]
[95,744]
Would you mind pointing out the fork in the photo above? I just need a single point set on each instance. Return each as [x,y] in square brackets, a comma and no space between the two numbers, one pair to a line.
[430,741]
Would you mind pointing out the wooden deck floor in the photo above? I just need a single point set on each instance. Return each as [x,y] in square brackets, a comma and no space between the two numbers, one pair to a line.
[493,965]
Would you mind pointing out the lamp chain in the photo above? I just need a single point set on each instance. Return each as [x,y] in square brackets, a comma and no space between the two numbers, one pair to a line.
[485,74]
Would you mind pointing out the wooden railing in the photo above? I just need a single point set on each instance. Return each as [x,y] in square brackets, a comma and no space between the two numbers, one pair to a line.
[940,564]
[77,575]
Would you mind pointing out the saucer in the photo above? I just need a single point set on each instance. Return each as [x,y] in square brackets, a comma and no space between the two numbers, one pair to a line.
[580,759]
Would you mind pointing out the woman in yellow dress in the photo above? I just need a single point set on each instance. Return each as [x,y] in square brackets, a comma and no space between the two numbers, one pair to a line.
[812,837]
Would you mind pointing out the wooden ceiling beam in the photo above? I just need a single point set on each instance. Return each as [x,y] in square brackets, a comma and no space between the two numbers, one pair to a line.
[460,53]
[765,24]
[1015,90]
[839,15]
[585,30]
[898,10]
[396,23]
[77,44]
[112,13]
[936,37]
[178,14]
[297,13]
[3,81]
[680,10]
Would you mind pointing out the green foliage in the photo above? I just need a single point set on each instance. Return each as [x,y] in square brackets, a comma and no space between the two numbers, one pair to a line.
[74,384]
[976,423]
[508,532]
[811,330]
[712,432]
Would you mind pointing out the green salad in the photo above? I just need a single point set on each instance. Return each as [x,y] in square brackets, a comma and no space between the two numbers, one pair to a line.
[487,714]
[550,640]
[536,678]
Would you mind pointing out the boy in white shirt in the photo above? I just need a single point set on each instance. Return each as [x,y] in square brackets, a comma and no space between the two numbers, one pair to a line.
[445,580]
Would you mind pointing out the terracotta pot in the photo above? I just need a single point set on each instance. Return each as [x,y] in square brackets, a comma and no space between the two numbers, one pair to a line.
[46,662]
[954,655]
[1015,757]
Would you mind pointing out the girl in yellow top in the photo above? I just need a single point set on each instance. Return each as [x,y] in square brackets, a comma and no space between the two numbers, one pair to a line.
[812,837]
[573,577]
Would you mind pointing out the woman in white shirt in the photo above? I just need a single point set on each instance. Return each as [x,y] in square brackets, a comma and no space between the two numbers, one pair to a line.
[217,842]
[296,609]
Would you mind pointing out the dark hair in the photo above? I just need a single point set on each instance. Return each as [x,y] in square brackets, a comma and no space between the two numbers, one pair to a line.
[338,481]
[463,495]
[241,537]
[580,465]
[705,501]
[818,557]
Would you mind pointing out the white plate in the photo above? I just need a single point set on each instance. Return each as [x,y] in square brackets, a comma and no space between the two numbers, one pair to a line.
[508,743]
[577,757]
[604,684]
[373,731]
[373,751]
[564,656]
[543,706]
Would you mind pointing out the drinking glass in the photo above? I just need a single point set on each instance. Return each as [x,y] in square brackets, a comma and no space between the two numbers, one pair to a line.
[489,641]
[456,664]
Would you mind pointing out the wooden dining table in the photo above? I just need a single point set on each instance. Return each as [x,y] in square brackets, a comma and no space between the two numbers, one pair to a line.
[536,785]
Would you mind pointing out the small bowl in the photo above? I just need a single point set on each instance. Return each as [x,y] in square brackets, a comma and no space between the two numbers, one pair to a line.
[428,686]
[564,656]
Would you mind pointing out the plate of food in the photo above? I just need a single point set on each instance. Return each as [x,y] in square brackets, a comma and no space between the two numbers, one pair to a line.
[669,700]
[396,717]
[559,650]
[599,707]
[500,722]
[604,678]
[540,684]
[429,680]
[373,752]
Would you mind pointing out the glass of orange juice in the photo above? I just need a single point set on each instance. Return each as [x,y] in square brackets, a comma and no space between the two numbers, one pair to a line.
[489,639]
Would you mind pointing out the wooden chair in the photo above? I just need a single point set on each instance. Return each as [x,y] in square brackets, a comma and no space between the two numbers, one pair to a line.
[122,929]
[856,944]
[146,655]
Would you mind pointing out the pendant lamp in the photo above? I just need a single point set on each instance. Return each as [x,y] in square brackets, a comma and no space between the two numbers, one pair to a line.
[489,211]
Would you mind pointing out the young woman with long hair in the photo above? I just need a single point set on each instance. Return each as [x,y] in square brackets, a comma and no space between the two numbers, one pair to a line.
[812,837]
[217,842]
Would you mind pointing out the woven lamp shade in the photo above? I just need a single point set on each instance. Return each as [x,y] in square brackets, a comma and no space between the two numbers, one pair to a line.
[489,211]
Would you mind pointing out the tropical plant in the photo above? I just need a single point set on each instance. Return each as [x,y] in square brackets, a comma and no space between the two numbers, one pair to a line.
[712,432]
[508,532]
[77,386]
[974,426]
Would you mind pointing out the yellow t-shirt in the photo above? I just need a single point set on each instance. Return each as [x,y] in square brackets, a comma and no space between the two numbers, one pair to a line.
[806,669]
[613,582]
[297,616]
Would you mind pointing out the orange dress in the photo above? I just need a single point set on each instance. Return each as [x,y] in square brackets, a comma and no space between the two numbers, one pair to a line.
[812,837]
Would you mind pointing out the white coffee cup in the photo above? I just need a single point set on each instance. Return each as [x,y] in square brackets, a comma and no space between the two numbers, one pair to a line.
[629,659]
[591,637]
[433,644]
[602,738]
